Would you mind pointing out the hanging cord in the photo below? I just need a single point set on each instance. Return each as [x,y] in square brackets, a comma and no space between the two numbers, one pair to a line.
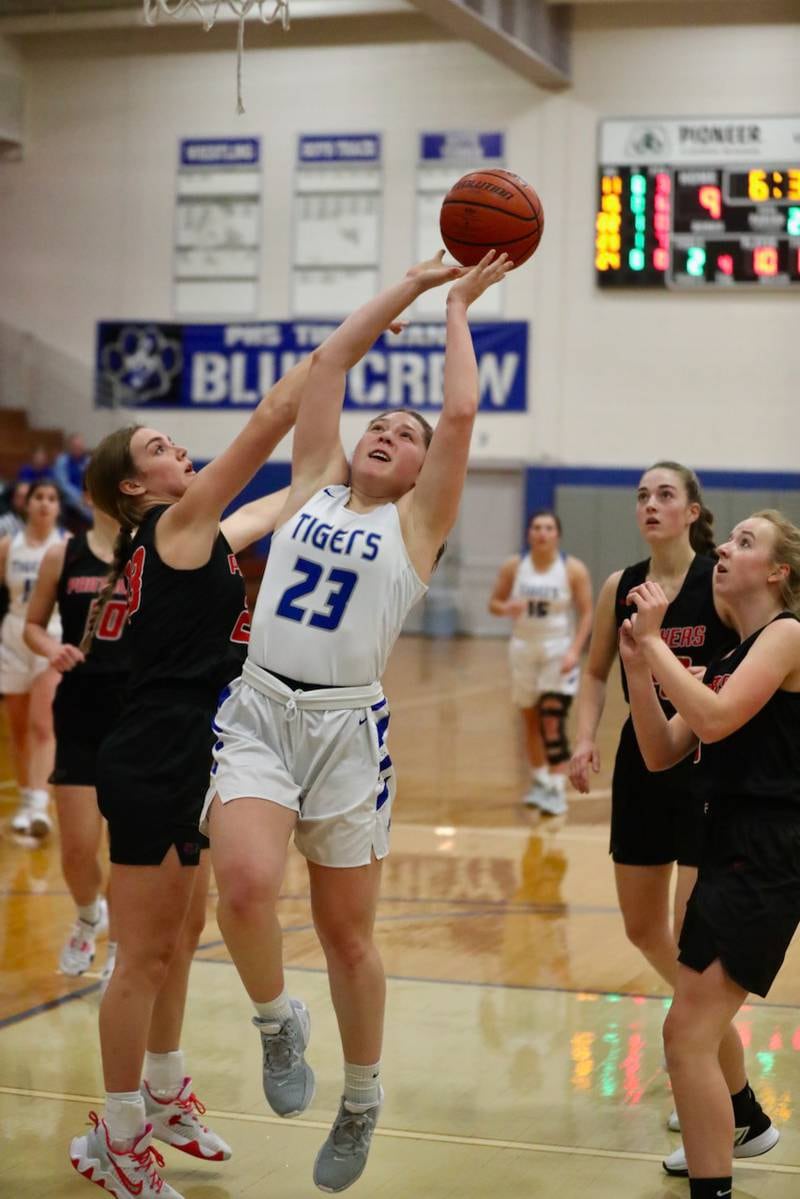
[240,8]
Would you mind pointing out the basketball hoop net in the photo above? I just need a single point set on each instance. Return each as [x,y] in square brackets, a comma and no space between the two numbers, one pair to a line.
[208,11]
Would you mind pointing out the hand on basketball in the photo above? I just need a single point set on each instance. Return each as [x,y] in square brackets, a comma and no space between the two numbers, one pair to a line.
[67,658]
[491,269]
[432,272]
[586,756]
[651,603]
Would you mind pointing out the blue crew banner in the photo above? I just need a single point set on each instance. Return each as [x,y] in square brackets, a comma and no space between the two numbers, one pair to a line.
[148,364]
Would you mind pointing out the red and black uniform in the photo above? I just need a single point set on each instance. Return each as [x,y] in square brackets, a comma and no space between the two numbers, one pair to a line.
[187,636]
[89,697]
[745,906]
[657,818]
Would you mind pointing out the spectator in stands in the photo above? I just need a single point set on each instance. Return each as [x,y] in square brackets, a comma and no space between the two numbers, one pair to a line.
[13,517]
[37,469]
[68,470]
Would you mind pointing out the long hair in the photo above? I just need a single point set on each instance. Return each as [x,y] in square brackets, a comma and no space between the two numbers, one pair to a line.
[701,531]
[110,463]
[786,553]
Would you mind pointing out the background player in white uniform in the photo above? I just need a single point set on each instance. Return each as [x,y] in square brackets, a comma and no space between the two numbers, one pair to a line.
[26,680]
[302,734]
[549,596]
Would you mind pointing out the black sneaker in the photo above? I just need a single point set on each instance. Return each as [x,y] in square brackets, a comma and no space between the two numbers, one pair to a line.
[749,1140]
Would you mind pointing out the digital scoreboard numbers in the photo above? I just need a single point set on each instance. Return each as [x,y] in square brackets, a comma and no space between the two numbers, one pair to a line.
[694,203]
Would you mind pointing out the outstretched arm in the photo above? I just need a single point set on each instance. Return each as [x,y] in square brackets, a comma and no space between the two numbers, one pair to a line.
[187,530]
[433,504]
[317,453]
[253,521]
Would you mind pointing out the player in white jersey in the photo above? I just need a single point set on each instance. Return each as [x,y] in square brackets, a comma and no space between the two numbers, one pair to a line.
[26,680]
[549,597]
[302,734]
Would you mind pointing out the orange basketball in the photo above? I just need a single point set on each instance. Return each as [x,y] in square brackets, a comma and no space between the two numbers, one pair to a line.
[491,210]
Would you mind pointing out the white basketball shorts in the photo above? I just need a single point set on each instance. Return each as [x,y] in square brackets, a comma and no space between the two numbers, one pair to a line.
[327,763]
[19,665]
[536,669]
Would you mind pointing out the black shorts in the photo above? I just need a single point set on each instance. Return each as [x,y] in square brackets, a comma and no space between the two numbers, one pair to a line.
[152,777]
[85,711]
[745,907]
[656,817]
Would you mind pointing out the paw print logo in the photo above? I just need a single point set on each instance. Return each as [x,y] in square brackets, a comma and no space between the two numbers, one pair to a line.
[140,365]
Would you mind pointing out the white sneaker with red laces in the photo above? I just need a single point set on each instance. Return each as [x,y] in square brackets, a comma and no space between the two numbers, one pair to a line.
[177,1123]
[123,1173]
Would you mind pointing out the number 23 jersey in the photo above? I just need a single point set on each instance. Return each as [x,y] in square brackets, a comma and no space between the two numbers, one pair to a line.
[337,588]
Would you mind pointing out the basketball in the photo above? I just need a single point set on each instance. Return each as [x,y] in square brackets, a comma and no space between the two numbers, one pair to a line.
[491,210]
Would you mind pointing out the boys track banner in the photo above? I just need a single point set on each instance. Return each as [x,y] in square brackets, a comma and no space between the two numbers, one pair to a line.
[153,364]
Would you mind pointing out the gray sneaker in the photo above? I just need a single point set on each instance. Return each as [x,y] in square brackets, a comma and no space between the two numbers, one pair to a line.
[341,1160]
[288,1078]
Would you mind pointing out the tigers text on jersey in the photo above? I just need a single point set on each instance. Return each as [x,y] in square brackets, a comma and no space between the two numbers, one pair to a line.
[550,613]
[22,568]
[337,588]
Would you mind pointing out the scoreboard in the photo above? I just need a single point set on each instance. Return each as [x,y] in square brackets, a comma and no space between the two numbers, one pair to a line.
[698,202]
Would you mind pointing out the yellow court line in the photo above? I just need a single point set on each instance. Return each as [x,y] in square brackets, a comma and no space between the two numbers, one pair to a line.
[401,1134]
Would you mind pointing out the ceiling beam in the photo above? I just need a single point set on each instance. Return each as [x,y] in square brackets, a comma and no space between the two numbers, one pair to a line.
[529,36]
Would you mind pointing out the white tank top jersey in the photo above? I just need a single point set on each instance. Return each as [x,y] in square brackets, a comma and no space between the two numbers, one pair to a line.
[550,611]
[337,588]
[22,568]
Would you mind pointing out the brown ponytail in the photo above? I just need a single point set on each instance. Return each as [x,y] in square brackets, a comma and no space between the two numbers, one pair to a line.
[701,531]
[110,463]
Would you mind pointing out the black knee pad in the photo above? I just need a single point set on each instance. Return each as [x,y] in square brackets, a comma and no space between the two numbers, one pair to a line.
[553,709]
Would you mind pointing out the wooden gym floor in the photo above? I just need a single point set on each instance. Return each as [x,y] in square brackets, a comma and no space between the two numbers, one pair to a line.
[523,1052]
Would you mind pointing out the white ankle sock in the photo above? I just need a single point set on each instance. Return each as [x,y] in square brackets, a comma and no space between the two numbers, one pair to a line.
[40,798]
[277,1010]
[540,774]
[125,1117]
[89,913]
[362,1084]
[164,1073]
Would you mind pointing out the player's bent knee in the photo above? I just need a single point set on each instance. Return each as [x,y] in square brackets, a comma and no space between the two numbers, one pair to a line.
[553,711]
[246,892]
[679,1040]
[349,950]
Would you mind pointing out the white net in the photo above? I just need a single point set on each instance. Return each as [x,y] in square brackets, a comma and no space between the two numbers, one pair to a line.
[208,11]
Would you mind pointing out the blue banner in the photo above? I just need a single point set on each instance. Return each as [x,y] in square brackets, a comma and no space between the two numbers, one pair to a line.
[339,147]
[220,151]
[166,365]
[457,145]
